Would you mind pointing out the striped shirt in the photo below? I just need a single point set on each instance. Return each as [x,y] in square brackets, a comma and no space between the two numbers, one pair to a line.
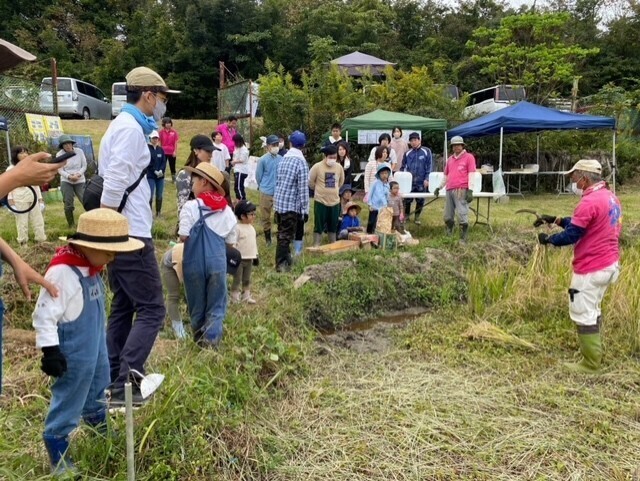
[292,188]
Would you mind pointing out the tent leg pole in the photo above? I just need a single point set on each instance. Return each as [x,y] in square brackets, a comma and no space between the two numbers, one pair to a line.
[537,160]
[444,155]
[613,162]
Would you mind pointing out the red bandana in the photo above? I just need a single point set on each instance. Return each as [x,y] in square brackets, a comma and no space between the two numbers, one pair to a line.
[213,200]
[70,256]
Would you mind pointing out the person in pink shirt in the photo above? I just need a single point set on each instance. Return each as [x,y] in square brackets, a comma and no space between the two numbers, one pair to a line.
[456,180]
[169,142]
[595,229]
[228,130]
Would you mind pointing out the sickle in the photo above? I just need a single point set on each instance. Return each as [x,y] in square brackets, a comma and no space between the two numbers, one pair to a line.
[529,211]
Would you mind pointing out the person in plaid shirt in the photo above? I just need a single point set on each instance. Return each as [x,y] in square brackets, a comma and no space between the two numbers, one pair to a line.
[291,201]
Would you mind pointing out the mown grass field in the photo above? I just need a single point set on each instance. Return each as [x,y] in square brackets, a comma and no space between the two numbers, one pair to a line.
[415,400]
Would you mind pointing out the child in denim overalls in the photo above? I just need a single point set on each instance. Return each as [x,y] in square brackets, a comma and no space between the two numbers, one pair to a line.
[70,329]
[207,223]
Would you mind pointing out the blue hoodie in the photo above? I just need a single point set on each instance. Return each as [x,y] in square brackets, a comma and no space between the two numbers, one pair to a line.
[266,172]
[379,192]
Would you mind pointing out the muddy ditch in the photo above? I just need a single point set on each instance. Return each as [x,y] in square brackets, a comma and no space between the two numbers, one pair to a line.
[347,294]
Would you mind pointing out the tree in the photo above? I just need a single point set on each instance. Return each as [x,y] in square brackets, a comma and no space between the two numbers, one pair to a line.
[532,50]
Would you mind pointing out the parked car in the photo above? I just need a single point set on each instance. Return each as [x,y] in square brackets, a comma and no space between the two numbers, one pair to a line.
[75,99]
[118,97]
[492,99]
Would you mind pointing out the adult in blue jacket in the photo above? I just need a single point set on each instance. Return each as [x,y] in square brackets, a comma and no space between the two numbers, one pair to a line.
[418,161]
[155,172]
[266,178]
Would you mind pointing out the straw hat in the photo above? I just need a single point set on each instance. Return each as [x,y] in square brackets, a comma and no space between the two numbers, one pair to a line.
[177,253]
[209,172]
[105,230]
[351,205]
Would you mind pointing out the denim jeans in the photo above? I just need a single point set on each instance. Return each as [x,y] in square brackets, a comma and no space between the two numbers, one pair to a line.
[80,390]
[157,186]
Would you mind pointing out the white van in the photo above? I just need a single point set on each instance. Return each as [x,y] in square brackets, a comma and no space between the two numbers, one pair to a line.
[118,97]
[75,99]
[492,99]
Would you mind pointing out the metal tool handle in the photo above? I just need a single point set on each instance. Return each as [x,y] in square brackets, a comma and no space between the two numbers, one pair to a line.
[128,403]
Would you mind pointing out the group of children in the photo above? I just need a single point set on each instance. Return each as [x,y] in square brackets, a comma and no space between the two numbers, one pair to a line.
[382,193]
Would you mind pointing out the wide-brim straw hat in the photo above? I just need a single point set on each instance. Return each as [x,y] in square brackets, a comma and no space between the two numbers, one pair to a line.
[209,172]
[105,230]
[351,205]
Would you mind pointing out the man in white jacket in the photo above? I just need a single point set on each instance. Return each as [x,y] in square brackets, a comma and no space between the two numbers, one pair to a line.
[134,278]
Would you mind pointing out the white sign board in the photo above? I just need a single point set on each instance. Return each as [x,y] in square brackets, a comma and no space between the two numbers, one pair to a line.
[370,137]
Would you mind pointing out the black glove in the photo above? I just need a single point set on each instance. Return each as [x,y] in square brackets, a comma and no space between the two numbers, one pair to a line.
[437,192]
[256,262]
[545,219]
[543,238]
[53,361]
[305,218]
[469,196]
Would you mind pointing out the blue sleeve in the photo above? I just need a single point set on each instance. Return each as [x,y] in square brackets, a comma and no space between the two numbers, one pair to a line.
[564,222]
[259,171]
[570,235]
[429,163]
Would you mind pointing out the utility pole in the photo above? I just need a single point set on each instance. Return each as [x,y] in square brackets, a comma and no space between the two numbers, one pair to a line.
[574,94]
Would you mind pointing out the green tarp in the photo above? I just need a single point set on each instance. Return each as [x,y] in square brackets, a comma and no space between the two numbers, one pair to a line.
[385,120]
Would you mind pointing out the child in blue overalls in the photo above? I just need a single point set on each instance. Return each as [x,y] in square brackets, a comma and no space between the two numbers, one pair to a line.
[70,329]
[207,223]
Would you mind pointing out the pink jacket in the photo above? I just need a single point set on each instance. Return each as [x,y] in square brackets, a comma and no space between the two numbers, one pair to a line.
[227,136]
[169,141]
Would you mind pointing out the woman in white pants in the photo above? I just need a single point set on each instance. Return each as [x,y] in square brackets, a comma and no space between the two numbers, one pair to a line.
[21,199]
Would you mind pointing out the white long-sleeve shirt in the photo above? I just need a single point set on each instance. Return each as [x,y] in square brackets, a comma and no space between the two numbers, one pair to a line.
[51,311]
[222,223]
[74,165]
[123,156]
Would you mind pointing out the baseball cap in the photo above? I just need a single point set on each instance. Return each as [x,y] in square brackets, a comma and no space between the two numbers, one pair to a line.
[586,165]
[154,134]
[414,135]
[298,139]
[143,78]
[272,139]
[202,142]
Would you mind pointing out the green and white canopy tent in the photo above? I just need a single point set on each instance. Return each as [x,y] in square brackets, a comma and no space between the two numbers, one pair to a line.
[384,120]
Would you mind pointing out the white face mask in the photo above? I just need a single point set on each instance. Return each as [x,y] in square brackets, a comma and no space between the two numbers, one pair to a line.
[274,150]
[159,110]
[331,162]
[574,188]
[281,145]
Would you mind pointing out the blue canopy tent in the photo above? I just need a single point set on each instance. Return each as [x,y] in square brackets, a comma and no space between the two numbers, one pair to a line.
[527,117]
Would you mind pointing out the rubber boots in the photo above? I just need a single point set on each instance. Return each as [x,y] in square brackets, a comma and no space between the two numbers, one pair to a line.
[332,237]
[70,220]
[591,350]
[463,233]
[449,225]
[317,240]
[267,237]
[283,259]
[158,207]
[298,245]
[178,329]
[61,463]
